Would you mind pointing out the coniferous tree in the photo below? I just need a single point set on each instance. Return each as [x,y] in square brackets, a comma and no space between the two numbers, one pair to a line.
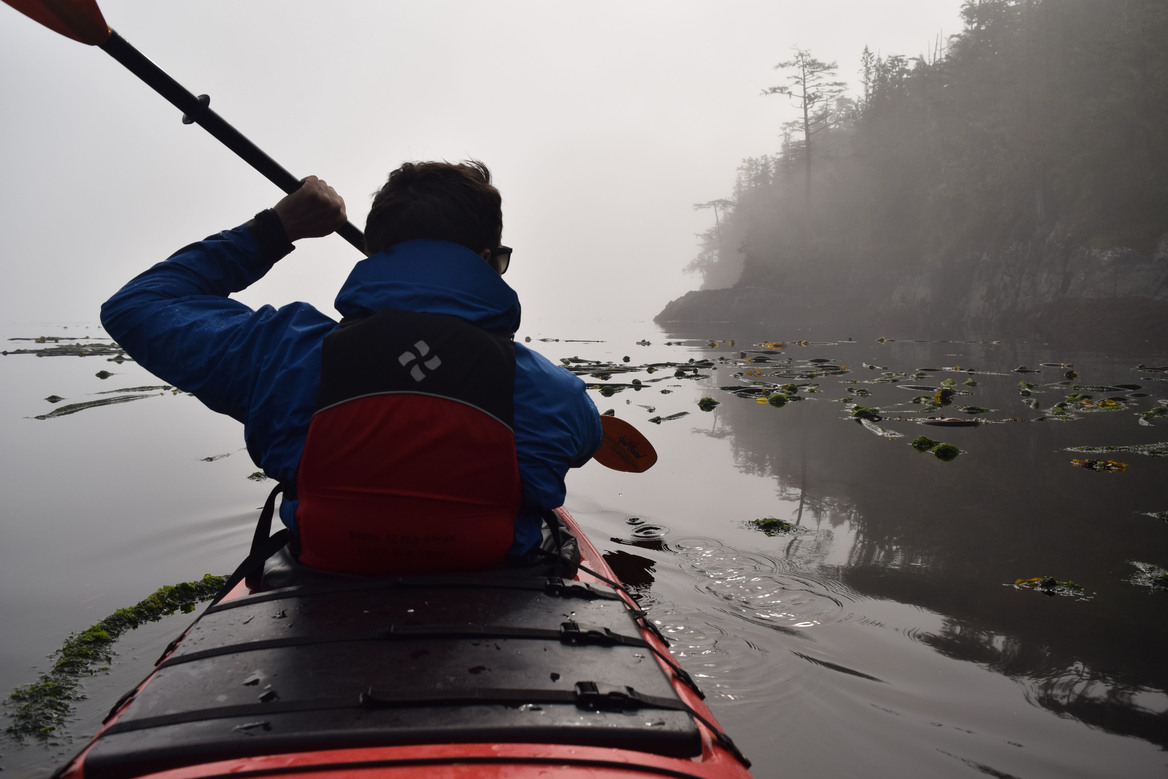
[812,86]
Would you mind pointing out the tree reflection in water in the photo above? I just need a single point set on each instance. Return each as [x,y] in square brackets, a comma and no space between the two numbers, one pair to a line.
[953,537]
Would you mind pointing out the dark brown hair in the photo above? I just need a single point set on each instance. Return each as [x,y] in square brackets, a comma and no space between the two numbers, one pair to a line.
[436,200]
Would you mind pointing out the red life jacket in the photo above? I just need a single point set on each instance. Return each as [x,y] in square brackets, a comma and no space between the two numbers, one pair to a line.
[410,465]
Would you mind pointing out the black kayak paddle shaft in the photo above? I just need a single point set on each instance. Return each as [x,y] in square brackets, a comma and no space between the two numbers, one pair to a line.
[196,110]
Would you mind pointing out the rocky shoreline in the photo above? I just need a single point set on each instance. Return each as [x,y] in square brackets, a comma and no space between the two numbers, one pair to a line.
[1049,292]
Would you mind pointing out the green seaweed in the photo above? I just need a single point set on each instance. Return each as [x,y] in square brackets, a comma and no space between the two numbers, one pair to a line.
[772,526]
[1105,466]
[55,348]
[708,404]
[1050,586]
[1150,450]
[73,408]
[923,443]
[41,708]
[946,452]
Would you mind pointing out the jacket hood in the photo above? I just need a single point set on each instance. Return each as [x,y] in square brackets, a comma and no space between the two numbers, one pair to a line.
[434,277]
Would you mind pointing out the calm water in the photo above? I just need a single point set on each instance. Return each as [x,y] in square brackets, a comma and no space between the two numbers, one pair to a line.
[883,632]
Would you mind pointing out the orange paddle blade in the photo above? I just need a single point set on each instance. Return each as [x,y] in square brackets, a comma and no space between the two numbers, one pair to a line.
[80,20]
[624,448]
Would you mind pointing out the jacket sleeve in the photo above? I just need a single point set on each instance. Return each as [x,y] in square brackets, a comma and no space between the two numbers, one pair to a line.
[177,320]
[557,427]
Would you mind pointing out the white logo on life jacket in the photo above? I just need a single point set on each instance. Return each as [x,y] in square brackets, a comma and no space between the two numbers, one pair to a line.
[418,353]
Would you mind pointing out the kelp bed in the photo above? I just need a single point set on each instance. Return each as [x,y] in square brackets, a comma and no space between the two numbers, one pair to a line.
[39,709]
[773,373]
[777,375]
[60,346]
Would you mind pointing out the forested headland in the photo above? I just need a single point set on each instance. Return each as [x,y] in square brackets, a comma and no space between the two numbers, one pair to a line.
[1012,181]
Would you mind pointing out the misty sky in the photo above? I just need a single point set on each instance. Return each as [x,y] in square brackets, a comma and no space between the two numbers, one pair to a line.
[603,123]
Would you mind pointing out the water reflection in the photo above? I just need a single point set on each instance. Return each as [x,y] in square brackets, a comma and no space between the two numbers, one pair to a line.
[894,523]
[1102,700]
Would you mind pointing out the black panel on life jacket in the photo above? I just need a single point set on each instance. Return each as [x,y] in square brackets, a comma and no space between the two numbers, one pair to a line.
[431,354]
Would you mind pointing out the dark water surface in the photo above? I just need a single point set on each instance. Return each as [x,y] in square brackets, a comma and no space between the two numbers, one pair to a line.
[882,633]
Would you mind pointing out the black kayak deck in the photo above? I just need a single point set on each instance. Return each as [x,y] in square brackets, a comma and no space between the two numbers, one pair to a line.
[362,663]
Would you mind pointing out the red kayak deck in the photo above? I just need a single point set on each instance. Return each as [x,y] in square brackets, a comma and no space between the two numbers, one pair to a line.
[499,674]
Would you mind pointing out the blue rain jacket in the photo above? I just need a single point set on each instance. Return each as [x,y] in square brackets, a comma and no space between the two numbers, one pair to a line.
[262,367]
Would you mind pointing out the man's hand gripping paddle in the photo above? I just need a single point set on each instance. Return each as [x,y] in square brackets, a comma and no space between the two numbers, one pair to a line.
[82,21]
[624,448]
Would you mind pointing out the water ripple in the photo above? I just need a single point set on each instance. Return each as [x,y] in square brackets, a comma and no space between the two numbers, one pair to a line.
[727,666]
[760,589]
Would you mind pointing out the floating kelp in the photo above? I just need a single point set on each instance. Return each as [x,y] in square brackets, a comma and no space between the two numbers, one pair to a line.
[952,421]
[1059,411]
[670,418]
[73,408]
[1151,576]
[1149,450]
[769,372]
[1048,585]
[52,346]
[608,390]
[946,452]
[749,392]
[1107,466]
[772,526]
[1106,404]
[923,443]
[147,388]
[40,708]
[883,432]
[567,340]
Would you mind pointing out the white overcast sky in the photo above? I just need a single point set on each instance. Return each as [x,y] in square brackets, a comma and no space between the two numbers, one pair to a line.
[603,122]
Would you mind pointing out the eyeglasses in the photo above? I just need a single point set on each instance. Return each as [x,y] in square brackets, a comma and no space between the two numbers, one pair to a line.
[501,259]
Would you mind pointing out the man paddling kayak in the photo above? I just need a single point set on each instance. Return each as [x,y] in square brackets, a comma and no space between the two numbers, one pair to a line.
[414,435]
